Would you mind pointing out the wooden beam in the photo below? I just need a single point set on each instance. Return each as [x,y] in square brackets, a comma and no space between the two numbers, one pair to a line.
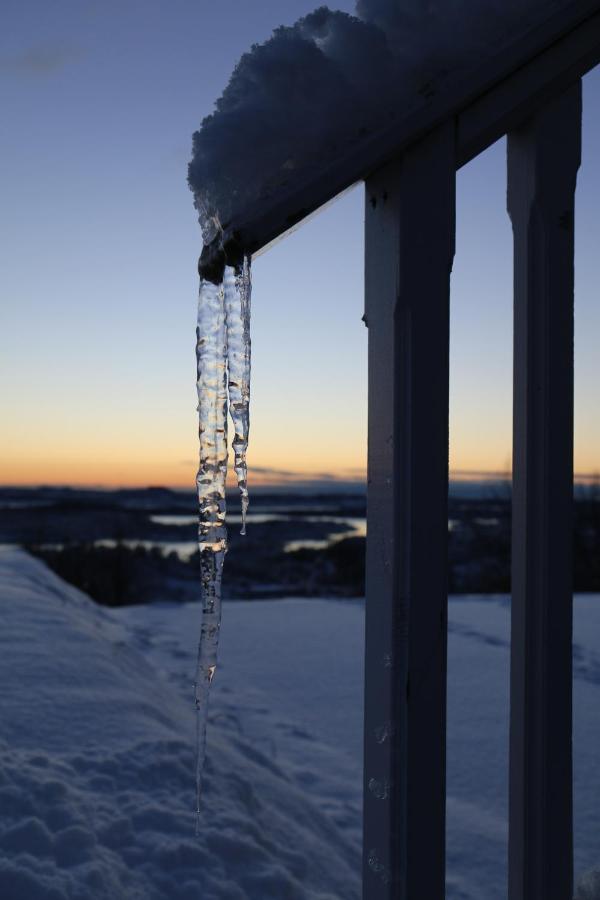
[485,101]
[543,159]
[410,219]
[532,85]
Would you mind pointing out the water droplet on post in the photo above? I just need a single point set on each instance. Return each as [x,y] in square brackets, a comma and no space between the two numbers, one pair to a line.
[379,789]
[378,867]
[384,732]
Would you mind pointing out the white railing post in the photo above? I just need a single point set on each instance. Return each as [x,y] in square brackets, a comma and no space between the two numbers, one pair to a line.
[543,159]
[409,247]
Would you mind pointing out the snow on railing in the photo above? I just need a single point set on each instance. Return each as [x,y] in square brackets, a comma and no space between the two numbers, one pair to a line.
[333,83]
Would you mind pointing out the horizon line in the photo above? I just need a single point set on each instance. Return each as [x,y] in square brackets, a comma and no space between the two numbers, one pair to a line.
[293,480]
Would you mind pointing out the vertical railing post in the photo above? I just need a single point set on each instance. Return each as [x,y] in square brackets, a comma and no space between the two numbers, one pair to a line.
[410,225]
[543,159]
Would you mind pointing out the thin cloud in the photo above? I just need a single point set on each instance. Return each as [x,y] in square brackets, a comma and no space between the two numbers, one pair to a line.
[342,477]
[268,474]
[41,59]
[268,470]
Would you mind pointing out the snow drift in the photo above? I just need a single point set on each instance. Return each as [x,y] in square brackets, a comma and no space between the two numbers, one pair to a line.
[96,748]
[97,774]
[331,81]
[588,887]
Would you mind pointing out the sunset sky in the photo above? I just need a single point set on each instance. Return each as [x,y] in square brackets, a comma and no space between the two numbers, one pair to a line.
[99,243]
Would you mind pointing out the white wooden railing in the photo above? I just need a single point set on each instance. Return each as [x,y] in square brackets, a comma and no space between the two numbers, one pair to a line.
[410,227]
[532,92]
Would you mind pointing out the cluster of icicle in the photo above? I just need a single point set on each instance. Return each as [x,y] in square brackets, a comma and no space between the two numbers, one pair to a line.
[223,370]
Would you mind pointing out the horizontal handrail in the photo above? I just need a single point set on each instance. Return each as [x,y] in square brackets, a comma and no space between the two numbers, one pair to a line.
[486,101]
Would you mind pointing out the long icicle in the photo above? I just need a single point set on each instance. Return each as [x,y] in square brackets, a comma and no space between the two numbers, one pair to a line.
[237,288]
[211,358]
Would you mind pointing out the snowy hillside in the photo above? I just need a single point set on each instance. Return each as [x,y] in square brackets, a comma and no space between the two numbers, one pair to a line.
[96,773]
[96,747]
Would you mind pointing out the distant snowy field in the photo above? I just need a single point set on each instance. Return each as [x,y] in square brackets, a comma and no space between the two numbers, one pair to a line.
[96,747]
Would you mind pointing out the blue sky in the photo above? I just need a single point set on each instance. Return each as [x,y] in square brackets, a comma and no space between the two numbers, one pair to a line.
[99,244]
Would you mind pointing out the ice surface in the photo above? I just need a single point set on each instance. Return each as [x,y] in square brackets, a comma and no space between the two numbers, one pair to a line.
[237,288]
[223,381]
[211,357]
[315,89]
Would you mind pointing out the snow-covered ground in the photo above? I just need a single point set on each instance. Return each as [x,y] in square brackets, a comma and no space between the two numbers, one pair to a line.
[96,747]
[97,764]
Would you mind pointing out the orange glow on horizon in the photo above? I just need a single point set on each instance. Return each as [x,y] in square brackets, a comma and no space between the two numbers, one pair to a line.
[114,473]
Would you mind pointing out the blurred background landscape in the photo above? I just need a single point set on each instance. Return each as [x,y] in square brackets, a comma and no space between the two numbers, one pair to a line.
[98,277]
[125,547]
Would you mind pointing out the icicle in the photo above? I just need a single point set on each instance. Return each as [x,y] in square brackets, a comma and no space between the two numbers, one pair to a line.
[223,366]
[211,356]
[237,286]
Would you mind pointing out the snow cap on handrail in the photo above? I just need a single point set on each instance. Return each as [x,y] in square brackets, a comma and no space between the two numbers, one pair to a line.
[294,103]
